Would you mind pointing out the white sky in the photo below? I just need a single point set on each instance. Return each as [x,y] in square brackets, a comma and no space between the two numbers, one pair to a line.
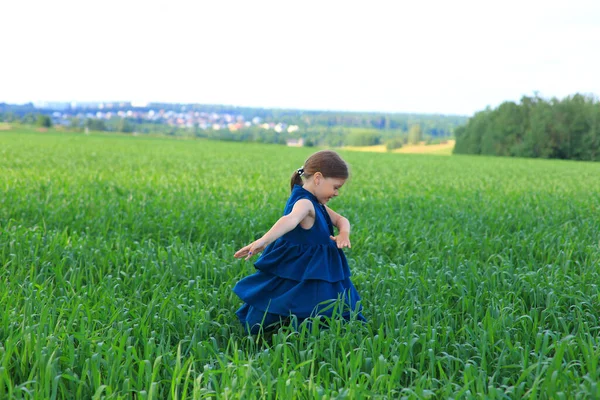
[449,57]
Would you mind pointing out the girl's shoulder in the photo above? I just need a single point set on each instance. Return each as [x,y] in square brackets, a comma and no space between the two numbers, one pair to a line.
[298,192]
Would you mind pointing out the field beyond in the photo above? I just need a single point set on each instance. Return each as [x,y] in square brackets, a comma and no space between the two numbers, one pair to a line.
[437,149]
[479,276]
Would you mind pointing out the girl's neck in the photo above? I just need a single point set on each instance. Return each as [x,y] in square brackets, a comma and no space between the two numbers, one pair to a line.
[310,187]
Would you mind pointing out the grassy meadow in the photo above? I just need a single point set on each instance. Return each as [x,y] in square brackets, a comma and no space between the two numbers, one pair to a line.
[479,276]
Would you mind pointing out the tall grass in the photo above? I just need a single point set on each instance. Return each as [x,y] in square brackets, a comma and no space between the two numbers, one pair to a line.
[479,276]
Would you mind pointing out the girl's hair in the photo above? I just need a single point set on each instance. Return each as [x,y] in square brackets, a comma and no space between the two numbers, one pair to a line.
[327,162]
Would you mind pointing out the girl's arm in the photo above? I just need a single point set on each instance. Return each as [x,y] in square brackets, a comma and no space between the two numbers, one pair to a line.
[343,237]
[301,210]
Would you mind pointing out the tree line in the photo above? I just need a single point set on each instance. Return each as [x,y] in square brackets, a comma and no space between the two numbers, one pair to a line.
[329,128]
[535,127]
[436,125]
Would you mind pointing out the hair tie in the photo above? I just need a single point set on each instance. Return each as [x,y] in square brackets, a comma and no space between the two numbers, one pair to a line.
[300,171]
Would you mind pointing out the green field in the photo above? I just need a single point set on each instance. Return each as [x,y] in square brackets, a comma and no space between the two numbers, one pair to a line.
[479,276]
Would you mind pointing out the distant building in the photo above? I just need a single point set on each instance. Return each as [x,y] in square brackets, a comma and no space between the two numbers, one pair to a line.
[295,142]
[52,105]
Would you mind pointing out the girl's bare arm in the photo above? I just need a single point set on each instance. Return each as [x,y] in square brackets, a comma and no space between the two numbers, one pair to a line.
[343,237]
[301,210]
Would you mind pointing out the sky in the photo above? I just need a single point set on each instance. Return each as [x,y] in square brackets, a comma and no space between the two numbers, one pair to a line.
[443,57]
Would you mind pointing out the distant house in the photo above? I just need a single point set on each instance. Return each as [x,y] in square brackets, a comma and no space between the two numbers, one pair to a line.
[295,142]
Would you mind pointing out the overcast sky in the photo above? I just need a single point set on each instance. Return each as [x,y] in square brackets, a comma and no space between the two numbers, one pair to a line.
[448,57]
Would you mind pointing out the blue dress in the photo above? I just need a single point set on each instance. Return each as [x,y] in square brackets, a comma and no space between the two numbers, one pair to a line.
[302,273]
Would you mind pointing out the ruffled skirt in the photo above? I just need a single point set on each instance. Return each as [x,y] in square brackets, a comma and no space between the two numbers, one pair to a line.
[271,299]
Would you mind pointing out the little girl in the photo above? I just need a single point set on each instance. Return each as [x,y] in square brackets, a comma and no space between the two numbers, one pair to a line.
[303,270]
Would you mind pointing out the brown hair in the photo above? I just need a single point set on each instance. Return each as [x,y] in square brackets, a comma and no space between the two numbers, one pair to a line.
[327,162]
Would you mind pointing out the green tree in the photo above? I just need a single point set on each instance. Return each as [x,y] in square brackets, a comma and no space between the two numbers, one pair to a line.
[537,141]
[29,119]
[394,143]
[590,141]
[125,126]
[567,129]
[75,124]
[43,121]
[95,124]
[363,138]
[505,130]
[415,134]
[10,117]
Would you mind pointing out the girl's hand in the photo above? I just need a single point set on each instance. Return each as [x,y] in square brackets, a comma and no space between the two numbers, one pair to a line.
[342,240]
[250,250]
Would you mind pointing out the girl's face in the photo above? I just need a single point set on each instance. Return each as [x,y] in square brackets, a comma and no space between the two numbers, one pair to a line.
[328,188]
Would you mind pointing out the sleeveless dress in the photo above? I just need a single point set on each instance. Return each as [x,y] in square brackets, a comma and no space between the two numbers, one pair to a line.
[302,273]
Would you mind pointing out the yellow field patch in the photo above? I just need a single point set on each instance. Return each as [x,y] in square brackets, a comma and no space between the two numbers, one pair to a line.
[439,149]
[442,148]
[377,149]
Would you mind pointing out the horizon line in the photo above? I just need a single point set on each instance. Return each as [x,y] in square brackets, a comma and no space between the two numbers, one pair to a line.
[138,104]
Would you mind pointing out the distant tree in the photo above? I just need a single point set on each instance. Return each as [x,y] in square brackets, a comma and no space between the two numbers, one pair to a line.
[30,119]
[394,143]
[537,141]
[43,121]
[415,134]
[309,143]
[566,129]
[95,124]
[590,142]
[125,126]
[75,124]
[505,130]
[10,117]
[363,138]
